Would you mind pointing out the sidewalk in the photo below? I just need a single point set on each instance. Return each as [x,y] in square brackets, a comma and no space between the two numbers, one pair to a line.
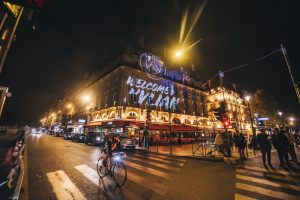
[186,150]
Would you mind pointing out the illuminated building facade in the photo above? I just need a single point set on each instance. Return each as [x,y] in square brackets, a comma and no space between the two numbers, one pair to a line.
[130,99]
[234,108]
[147,98]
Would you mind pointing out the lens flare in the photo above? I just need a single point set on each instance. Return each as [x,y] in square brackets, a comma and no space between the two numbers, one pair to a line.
[185,42]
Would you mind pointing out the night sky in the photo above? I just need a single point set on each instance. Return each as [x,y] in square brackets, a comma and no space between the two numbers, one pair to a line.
[75,39]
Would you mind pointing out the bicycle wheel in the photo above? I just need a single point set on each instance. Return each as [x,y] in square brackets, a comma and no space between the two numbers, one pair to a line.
[119,173]
[101,167]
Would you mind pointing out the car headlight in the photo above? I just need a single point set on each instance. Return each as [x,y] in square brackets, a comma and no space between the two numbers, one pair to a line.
[98,138]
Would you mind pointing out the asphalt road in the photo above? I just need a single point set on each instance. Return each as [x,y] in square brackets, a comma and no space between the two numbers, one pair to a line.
[60,169]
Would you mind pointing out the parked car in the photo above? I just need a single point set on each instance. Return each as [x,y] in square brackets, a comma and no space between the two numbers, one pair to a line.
[94,138]
[68,135]
[58,133]
[127,143]
[78,137]
[50,132]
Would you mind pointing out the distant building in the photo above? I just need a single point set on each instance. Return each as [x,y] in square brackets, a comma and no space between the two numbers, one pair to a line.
[221,101]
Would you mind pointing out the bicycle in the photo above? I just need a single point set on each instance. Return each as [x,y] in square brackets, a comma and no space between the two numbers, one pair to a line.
[118,169]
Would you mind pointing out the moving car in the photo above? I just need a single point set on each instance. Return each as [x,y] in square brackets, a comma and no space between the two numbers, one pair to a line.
[127,143]
[94,138]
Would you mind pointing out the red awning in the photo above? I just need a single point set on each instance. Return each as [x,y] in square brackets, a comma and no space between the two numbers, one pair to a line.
[141,125]
[165,127]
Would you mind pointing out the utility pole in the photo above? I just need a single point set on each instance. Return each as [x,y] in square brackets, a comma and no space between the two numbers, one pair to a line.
[286,58]
[221,75]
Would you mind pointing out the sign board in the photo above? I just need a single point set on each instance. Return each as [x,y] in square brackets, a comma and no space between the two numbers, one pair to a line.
[81,120]
[263,119]
[156,94]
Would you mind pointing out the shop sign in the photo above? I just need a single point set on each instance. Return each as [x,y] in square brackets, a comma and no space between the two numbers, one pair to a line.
[154,94]
[81,121]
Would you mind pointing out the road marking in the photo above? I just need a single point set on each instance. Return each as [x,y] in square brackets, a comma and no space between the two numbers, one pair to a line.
[175,169]
[149,170]
[266,182]
[159,159]
[93,176]
[176,159]
[154,186]
[267,192]
[264,174]
[267,170]
[242,197]
[63,187]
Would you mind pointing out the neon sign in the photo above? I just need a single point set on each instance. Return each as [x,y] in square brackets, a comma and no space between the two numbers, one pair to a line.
[153,94]
[152,64]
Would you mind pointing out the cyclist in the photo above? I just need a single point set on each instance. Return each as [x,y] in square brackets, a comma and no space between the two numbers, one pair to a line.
[113,144]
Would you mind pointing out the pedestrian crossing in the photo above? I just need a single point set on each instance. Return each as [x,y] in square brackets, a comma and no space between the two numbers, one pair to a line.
[149,171]
[254,182]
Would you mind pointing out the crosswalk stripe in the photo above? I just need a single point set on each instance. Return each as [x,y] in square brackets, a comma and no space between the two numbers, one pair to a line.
[267,182]
[155,187]
[273,171]
[176,159]
[149,170]
[267,192]
[175,169]
[159,159]
[63,187]
[242,197]
[93,176]
[261,174]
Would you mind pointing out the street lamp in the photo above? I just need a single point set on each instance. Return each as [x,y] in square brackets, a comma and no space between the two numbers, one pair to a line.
[251,120]
[178,53]
[86,98]
[280,115]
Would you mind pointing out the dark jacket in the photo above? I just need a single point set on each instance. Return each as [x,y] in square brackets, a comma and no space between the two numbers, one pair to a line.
[239,141]
[283,141]
[263,141]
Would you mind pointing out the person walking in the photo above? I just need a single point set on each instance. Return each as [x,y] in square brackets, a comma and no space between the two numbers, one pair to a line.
[226,144]
[291,146]
[219,142]
[240,143]
[280,143]
[265,146]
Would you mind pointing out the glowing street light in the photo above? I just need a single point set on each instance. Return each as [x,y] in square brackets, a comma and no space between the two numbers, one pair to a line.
[178,54]
[69,105]
[280,113]
[291,119]
[86,98]
[247,98]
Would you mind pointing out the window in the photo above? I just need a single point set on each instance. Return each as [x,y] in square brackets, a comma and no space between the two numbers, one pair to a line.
[133,98]
[132,115]
[163,118]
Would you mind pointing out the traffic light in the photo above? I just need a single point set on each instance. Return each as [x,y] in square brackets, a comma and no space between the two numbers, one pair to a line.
[225,121]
